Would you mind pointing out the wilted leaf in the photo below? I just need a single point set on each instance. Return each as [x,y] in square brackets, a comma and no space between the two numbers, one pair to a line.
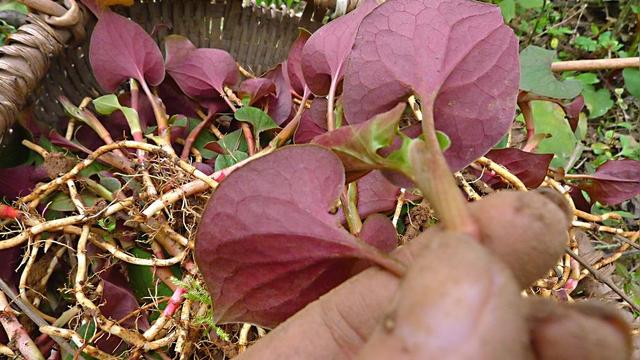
[313,122]
[120,50]
[549,119]
[200,73]
[529,167]
[613,182]
[326,51]
[267,246]
[294,62]
[358,145]
[536,75]
[458,54]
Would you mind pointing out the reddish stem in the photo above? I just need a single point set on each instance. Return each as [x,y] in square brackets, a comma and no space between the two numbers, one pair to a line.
[7,212]
[193,135]
[161,118]
[174,302]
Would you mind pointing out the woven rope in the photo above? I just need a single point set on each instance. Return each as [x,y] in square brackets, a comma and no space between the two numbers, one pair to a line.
[23,63]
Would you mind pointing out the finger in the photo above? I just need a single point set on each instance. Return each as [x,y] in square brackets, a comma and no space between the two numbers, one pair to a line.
[457,301]
[527,231]
[340,322]
[586,331]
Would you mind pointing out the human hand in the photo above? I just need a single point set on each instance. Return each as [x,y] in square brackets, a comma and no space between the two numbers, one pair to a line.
[460,299]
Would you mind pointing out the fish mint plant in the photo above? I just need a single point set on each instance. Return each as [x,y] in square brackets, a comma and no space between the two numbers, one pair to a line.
[192,194]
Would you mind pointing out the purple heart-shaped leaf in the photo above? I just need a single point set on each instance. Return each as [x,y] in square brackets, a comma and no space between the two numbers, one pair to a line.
[269,240]
[294,62]
[613,182]
[121,50]
[313,122]
[280,105]
[529,167]
[456,55]
[200,73]
[256,89]
[326,51]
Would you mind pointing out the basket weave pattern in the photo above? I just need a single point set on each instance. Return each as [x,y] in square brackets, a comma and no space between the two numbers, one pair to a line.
[36,68]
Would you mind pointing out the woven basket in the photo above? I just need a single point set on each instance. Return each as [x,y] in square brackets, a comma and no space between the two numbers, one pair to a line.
[48,56]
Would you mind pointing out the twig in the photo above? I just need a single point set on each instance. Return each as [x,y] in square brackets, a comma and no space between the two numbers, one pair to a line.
[462,182]
[599,64]
[597,218]
[78,340]
[603,279]
[398,210]
[503,173]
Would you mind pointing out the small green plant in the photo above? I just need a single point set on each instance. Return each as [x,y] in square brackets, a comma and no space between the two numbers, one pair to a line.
[196,292]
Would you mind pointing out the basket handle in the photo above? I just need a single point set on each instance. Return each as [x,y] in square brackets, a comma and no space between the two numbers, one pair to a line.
[26,57]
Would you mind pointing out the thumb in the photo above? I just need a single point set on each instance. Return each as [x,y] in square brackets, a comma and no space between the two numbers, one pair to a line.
[457,301]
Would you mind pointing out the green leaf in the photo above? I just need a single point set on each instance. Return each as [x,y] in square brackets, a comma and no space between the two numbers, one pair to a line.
[632,81]
[110,183]
[358,145]
[93,169]
[260,121]
[14,6]
[536,75]
[549,119]
[224,161]
[598,102]
[233,141]
[62,202]
[508,9]
[443,140]
[630,147]
[586,43]
[108,223]
[531,4]
[588,78]
[143,282]
[109,103]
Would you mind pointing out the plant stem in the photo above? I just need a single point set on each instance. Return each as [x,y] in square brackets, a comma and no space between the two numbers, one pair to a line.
[193,135]
[331,122]
[433,177]
[291,127]
[246,129]
[161,119]
[599,64]
[16,332]
[27,310]
[350,208]
[527,113]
